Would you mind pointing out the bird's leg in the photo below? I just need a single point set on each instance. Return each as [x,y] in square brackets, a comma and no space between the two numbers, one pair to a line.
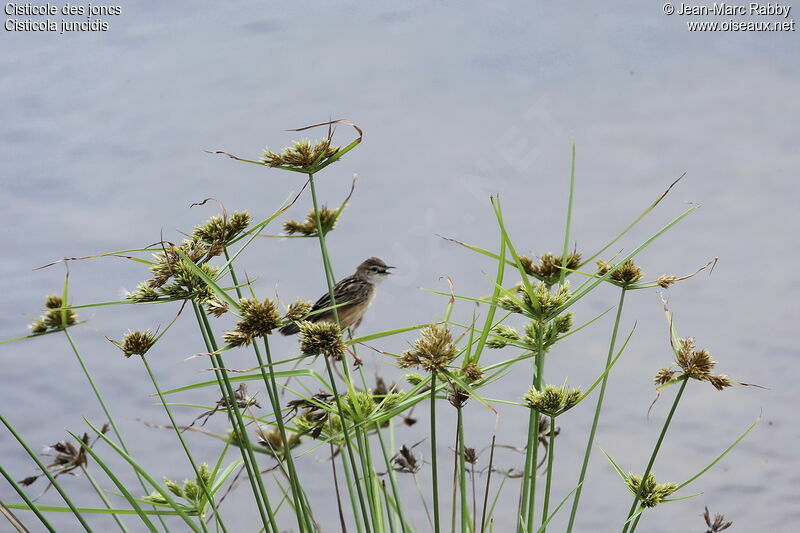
[357,361]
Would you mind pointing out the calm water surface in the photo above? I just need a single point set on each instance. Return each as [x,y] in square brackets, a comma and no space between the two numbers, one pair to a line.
[102,149]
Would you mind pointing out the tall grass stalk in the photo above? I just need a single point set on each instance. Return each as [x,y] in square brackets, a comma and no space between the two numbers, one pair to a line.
[466,520]
[56,485]
[331,281]
[100,398]
[656,448]
[22,494]
[302,511]
[192,462]
[103,497]
[434,462]
[551,452]
[239,427]
[601,395]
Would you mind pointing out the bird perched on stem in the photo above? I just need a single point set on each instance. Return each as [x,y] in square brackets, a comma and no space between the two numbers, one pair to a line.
[353,296]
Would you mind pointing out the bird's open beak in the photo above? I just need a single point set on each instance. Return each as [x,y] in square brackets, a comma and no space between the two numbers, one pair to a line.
[387,269]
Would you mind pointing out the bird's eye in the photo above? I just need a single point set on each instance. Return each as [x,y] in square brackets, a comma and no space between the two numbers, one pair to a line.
[374,268]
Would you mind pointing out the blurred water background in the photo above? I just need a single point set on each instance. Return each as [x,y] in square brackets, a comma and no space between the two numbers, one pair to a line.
[103,139]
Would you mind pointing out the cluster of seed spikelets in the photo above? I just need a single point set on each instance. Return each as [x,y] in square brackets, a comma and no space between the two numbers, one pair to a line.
[502,335]
[320,417]
[545,324]
[272,441]
[432,352]
[302,155]
[321,338]
[627,273]
[136,342]
[258,319]
[650,492]
[219,230]
[541,304]
[207,241]
[186,283]
[308,228]
[552,400]
[694,364]
[472,372]
[191,491]
[298,309]
[55,318]
[550,266]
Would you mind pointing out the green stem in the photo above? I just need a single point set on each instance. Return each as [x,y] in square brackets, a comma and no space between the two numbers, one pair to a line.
[392,475]
[453,506]
[655,452]
[388,506]
[348,476]
[365,457]
[550,454]
[466,520]
[47,474]
[329,278]
[533,437]
[568,226]
[346,437]
[590,443]
[533,429]
[239,427]
[100,493]
[27,500]
[636,522]
[302,512]
[303,517]
[206,490]
[434,469]
[105,409]
[323,246]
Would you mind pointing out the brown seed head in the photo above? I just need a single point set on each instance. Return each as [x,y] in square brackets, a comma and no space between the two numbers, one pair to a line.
[625,275]
[720,381]
[327,219]
[433,351]
[53,301]
[302,154]
[666,281]
[298,310]
[216,307]
[472,372]
[218,231]
[137,342]
[651,493]
[665,375]
[552,400]
[321,338]
[258,318]
[549,268]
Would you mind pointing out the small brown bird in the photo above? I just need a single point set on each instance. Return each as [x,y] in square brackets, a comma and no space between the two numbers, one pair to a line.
[356,292]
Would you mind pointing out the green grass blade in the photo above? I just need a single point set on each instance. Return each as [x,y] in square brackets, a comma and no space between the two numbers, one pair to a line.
[599,280]
[28,505]
[165,494]
[614,464]
[632,224]
[89,510]
[723,454]
[555,511]
[568,225]
[128,496]
[46,472]
[523,274]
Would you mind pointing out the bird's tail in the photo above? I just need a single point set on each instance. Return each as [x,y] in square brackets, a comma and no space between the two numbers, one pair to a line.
[289,329]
